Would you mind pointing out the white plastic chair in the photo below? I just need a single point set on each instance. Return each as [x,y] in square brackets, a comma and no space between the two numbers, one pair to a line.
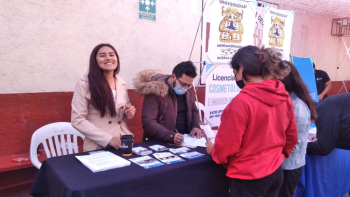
[201,108]
[59,136]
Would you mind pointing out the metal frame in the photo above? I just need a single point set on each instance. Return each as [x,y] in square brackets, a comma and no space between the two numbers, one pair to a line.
[340,27]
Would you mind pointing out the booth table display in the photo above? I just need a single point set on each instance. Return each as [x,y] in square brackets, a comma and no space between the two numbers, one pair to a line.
[67,176]
[325,176]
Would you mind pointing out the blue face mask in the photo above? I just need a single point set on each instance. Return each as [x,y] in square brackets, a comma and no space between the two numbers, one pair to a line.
[179,90]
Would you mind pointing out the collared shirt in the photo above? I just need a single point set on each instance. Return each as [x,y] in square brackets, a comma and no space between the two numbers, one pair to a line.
[302,118]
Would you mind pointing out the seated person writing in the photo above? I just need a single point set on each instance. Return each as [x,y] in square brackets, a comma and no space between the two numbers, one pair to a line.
[169,109]
[333,125]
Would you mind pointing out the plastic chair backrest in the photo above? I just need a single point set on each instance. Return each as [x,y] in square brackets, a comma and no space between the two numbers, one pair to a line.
[56,139]
[201,108]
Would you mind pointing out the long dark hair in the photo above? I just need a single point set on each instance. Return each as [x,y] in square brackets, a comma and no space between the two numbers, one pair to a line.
[101,93]
[260,62]
[294,84]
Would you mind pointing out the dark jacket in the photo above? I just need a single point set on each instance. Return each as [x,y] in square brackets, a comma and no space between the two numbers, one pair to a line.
[159,109]
[333,125]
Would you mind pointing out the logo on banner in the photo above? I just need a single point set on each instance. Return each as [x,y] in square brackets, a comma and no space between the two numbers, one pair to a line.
[231,27]
[276,33]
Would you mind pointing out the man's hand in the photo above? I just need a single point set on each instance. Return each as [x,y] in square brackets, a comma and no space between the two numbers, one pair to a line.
[196,132]
[178,138]
[116,143]
[209,145]
[320,97]
[130,111]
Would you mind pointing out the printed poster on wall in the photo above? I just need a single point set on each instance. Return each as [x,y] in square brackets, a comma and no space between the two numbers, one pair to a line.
[232,26]
[227,26]
[278,26]
[220,89]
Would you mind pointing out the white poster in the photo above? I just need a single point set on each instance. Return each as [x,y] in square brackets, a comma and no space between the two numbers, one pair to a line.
[227,26]
[260,21]
[231,27]
[260,13]
[278,26]
[220,89]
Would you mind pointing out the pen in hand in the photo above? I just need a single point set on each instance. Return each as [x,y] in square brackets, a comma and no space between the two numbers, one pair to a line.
[178,138]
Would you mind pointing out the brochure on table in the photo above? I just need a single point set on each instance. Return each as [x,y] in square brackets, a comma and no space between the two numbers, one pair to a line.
[101,161]
[179,150]
[141,151]
[158,147]
[192,155]
[167,157]
[146,162]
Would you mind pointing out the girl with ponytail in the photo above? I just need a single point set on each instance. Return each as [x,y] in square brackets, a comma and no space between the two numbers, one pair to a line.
[258,129]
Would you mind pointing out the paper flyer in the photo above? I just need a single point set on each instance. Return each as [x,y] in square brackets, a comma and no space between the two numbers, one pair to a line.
[192,155]
[179,150]
[146,162]
[158,148]
[141,151]
[167,157]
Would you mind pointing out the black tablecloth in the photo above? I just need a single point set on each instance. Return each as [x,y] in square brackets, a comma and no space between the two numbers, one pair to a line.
[67,176]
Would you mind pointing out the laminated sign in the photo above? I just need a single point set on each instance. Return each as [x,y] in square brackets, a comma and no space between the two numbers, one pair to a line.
[278,25]
[231,27]
[147,9]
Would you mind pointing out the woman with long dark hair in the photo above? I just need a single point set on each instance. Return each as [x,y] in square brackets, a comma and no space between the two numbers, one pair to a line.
[304,112]
[257,129]
[101,102]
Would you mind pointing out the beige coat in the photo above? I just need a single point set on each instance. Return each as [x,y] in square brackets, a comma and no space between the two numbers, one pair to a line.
[86,119]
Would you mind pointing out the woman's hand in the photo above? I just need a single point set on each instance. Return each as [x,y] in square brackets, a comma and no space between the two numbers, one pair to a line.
[129,111]
[116,143]
[209,145]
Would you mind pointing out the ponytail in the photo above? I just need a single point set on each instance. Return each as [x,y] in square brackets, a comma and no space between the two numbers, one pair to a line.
[266,63]
[274,68]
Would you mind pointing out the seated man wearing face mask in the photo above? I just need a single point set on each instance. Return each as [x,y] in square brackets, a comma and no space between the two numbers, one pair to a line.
[169,108]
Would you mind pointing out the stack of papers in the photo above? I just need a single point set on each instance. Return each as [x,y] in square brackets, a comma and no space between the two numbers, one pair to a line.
[146,162]
[158,147]
[167,157]
[102,161]
[141,151]
[192,155]
[193,142]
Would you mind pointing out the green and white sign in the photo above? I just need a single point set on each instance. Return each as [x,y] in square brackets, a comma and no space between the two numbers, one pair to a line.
[147,9]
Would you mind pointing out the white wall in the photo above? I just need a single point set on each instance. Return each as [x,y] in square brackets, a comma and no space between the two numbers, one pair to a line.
[312,35]
[45,44]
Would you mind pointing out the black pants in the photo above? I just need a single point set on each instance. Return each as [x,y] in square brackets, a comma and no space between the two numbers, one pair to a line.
[290,182]
[267,186]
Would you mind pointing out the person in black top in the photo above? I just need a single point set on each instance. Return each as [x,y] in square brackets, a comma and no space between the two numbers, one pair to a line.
[323,83]
[333,125]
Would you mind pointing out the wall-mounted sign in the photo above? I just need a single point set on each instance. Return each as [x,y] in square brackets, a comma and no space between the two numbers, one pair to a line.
[147,9]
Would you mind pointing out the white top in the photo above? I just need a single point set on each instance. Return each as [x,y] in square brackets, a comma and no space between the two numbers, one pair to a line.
[114,94]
